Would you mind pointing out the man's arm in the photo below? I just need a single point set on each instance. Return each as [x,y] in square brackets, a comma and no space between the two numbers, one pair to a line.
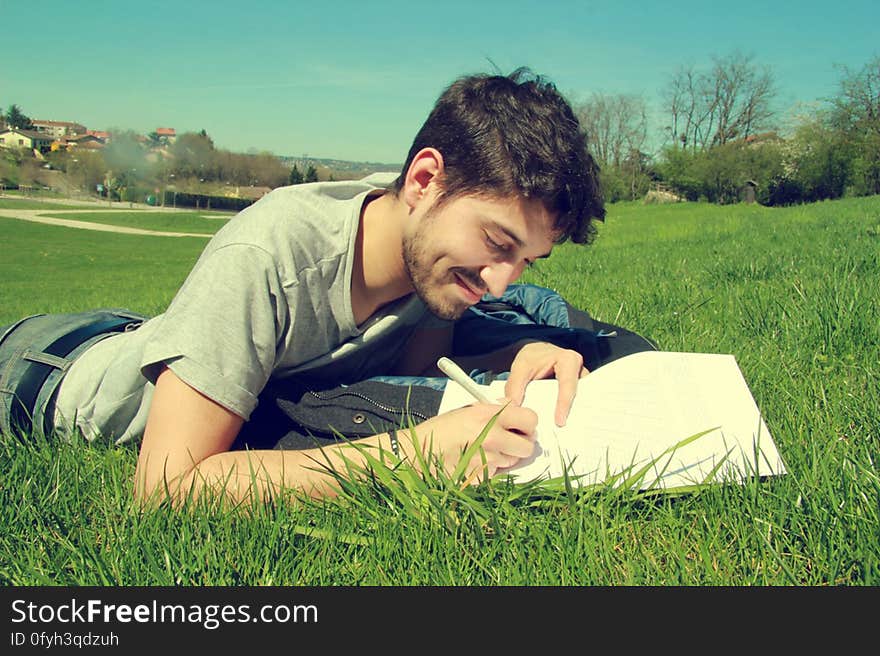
[184,428]
[185,449]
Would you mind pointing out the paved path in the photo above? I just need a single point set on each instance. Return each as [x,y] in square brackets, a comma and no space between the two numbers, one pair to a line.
[37,216]
[96,203]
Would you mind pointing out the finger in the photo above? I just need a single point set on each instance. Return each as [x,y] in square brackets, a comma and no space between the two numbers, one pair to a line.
[506,462]
[517,446]
[567,391]
[515,387]
[510,442]
[567,373]
[530,363]
[519,420]
[584,371]
[494,459]
[494,463]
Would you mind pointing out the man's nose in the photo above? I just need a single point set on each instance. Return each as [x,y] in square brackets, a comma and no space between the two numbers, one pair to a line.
[498,276]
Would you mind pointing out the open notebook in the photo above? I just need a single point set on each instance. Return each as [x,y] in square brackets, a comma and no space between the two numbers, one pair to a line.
[635,410]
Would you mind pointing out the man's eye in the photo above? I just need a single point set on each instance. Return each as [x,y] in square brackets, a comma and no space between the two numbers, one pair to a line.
[495,246]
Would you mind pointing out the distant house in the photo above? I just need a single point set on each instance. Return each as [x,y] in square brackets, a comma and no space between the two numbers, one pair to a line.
[167,135]
[250,193]
[103,136]
[79,142]
[29,139]
[58,129]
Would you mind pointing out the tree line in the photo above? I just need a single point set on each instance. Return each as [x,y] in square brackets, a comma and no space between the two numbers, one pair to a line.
[723,134]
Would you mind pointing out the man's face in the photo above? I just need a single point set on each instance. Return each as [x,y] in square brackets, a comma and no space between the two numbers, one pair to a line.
[456,253]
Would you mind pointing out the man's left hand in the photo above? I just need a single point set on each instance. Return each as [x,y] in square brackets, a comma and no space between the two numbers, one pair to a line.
[544,360]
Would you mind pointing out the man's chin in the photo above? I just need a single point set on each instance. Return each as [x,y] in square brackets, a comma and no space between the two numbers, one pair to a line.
[447,313]
[443,309]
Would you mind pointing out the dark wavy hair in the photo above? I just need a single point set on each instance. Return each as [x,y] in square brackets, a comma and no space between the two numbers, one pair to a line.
[514,135]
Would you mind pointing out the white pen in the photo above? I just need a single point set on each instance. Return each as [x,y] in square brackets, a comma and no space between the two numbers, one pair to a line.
[457,374]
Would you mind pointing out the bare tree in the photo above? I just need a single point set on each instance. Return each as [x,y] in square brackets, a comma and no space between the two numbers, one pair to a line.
[857,106]
[616,125]
[617,129]
[681,99]
[730,101]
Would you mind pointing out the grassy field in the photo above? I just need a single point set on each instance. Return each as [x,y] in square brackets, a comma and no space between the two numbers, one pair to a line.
[791,292]
[52,269]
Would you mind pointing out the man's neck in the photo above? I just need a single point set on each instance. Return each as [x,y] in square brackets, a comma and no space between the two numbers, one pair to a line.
[379,275]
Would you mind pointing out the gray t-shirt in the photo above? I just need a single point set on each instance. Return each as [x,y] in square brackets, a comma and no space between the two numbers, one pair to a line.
[269,297]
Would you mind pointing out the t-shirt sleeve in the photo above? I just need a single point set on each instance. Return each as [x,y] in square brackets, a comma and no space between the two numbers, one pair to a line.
[221,331]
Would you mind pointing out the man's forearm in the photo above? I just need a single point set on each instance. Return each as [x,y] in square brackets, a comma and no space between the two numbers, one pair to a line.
[261,475]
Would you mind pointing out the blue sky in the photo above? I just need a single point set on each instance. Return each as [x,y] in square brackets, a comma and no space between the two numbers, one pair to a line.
[355,80]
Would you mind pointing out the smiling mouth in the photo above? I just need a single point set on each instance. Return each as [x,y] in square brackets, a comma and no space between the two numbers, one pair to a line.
[470,293]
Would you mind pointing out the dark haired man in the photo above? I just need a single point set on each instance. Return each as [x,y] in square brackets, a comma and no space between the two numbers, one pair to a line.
[340,281]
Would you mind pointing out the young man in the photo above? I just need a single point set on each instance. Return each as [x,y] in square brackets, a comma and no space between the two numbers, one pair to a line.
[342,281]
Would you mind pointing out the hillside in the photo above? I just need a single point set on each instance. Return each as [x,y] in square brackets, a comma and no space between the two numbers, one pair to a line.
[337,168]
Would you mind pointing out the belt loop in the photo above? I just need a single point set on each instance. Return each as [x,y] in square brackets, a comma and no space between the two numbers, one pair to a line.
[39,367]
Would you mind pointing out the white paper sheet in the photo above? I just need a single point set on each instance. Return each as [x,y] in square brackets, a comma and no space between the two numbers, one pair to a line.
[629,412]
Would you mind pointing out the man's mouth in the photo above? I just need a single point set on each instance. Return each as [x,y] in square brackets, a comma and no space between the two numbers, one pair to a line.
[471,293]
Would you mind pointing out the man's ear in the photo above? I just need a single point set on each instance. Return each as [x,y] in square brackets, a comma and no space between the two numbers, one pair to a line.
[423,177]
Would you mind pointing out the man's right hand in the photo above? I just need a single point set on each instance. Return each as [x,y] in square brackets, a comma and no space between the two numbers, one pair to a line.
[445,437]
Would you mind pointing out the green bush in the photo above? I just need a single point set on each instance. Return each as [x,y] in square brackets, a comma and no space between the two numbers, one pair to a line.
[203,201]
[720,174]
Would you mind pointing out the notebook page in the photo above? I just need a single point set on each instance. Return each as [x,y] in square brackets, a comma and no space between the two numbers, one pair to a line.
[627,413]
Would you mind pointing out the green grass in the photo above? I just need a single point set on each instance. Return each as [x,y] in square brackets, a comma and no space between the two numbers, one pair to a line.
[165,221]
[791,292]
[53,269]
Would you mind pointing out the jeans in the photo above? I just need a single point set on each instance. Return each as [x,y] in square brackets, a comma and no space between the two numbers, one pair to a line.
[35,354]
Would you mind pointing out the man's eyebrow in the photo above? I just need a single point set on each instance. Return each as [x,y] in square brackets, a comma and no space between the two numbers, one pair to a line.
[513,236]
